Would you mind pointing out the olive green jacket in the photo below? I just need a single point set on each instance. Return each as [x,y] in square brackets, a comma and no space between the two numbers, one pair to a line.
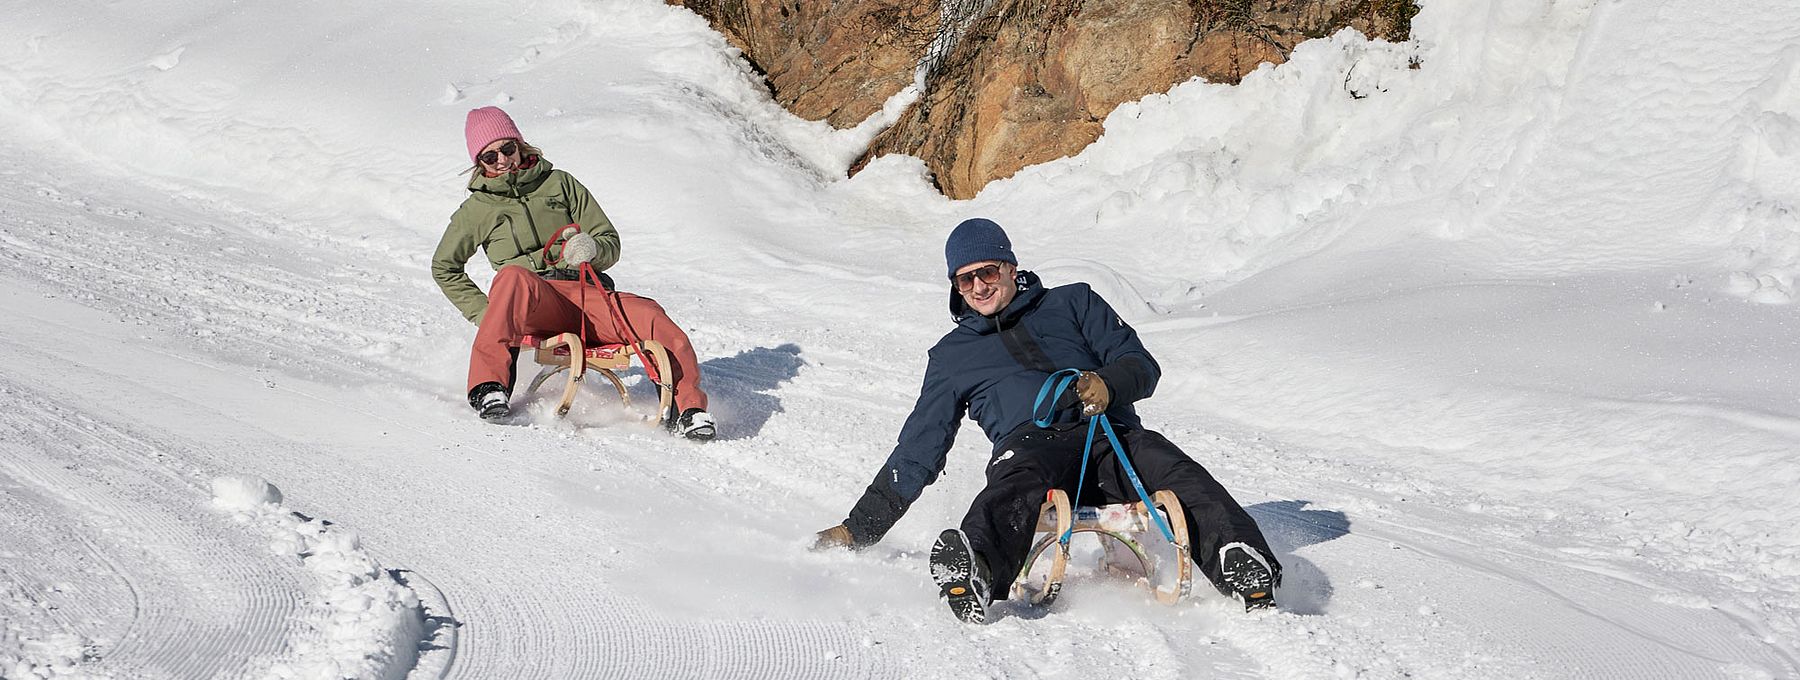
[511,217]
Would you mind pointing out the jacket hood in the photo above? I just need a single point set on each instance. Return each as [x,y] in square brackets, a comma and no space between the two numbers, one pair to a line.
[1031,289]
[516,183]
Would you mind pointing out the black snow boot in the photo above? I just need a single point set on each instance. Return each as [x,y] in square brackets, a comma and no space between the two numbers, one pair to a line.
[694,423]
[961,575]
[1248,576]
[489,399]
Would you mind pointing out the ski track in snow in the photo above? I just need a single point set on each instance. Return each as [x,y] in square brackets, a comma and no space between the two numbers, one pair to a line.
[555,600]
[201,601]
[238,341]
[519,627]
[1444,566]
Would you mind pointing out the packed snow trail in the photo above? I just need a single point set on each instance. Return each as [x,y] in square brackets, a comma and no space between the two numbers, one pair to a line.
[614,550]
[1489,435]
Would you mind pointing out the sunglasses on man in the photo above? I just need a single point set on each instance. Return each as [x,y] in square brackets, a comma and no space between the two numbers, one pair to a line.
[492,156]
[989,275]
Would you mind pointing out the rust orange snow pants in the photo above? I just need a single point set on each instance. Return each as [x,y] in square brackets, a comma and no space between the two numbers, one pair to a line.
[522,303]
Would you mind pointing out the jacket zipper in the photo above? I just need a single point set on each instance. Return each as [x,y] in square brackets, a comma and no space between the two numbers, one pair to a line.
[513,181]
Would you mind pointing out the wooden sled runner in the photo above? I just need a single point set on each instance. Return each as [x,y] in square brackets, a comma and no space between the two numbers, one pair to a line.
[556,355]
[1122,530]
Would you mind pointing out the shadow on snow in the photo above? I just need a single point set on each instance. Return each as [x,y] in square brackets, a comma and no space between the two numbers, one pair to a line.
[1290,526]
[738,387]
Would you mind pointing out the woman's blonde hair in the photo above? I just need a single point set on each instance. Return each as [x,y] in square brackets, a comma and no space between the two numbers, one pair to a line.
[526,150]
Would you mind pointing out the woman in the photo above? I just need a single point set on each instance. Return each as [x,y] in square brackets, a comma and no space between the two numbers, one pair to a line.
[517,204]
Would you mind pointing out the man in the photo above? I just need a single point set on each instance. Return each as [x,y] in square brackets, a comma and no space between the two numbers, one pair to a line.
[1011,334]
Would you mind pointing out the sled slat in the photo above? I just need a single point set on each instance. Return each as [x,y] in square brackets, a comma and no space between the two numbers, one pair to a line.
[554,354]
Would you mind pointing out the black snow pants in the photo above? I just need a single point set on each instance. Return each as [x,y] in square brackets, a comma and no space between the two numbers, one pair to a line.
[1003,518]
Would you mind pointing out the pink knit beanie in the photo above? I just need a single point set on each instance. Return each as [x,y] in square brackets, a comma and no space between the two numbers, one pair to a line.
[485,125]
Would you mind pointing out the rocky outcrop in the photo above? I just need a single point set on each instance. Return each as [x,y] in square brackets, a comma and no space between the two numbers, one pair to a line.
[1012,83]
[824,60]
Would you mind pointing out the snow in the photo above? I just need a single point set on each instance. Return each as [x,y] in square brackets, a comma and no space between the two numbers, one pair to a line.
[364,623]
[1493,332]
[244,493]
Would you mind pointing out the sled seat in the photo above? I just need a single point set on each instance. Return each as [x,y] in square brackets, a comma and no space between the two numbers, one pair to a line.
[555,354]
[1122,529]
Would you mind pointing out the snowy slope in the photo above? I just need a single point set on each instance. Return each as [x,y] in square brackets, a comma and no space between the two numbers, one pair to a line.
[1499,350]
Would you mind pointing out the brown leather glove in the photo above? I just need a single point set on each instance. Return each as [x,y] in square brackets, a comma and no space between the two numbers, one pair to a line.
[835,537]
[1093,392]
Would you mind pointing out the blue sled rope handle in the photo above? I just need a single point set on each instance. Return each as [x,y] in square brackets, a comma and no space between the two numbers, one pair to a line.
[1042,416]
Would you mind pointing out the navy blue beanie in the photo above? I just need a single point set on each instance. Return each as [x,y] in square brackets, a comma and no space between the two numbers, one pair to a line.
[976,240]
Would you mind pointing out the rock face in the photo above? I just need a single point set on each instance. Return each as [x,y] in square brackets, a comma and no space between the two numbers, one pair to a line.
[1011,83]
[826,60]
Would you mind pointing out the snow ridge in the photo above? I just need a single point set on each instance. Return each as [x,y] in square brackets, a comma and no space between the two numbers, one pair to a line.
[364,624]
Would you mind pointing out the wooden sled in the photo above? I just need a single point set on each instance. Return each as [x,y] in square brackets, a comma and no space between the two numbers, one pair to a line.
[1122,530]
[555,353]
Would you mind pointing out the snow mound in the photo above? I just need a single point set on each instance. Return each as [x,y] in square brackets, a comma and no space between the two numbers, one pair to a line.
[362,622]
[244,493]
[55,656]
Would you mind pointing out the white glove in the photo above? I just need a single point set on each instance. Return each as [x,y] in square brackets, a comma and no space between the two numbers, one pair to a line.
[578,249]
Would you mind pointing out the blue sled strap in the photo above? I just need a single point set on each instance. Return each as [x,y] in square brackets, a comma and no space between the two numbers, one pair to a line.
[1043,413]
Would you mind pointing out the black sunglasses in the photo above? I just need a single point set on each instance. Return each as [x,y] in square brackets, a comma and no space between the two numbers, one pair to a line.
[490,156]
[989,275]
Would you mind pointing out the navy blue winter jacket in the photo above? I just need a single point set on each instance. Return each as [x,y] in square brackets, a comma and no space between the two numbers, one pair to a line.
[992,368]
